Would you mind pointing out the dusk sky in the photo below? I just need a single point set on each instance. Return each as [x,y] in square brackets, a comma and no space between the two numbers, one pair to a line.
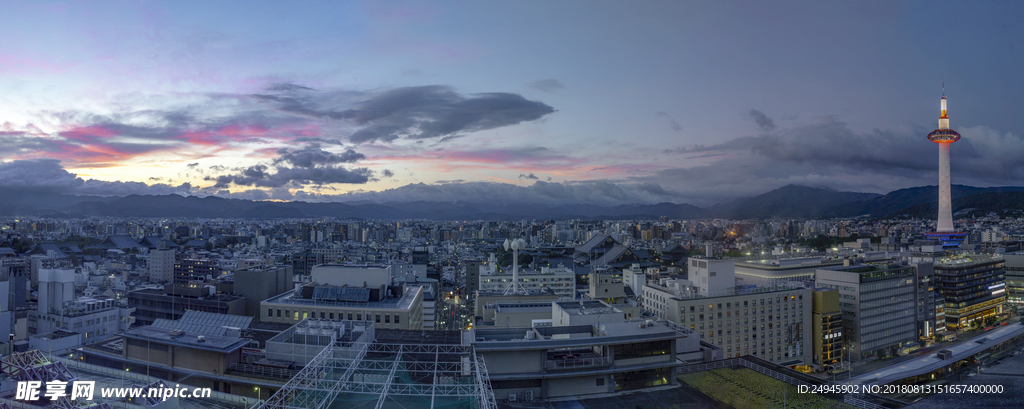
[538,101]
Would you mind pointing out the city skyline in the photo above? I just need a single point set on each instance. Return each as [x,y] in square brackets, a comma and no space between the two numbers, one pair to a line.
[607,104]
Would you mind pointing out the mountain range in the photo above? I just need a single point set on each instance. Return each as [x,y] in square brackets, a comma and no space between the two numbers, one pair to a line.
[790,201]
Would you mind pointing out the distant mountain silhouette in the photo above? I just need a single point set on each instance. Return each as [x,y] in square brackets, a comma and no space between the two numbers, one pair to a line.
[894,203]
[979,204]
[795,201]
[790,201]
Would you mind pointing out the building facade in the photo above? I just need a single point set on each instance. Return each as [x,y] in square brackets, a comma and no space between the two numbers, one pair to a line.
[402,312]
[827,328]
[973,287]
[1014,280]
[878,303]
[771,323]
[256,284]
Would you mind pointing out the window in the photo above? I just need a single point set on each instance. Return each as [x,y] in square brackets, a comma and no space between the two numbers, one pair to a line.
[359,317]
[350,316]
[287,313]
[600,381]
[396,318]
[323,315]
[378,319]
[387,319]
[332,315]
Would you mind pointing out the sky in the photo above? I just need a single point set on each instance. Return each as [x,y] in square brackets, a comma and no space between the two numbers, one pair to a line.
[600,102]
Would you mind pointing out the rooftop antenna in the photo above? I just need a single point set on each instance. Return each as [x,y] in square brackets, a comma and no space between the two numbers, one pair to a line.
[516,287]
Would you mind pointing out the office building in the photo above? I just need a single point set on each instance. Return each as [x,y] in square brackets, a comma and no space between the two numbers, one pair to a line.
[827,328]
[771,323]
[355,293]
[172,301]
[256,284]
[194,270]
[1015,280]
[972,286]
[525,364]
[561,280]
[878,303]
[161,264]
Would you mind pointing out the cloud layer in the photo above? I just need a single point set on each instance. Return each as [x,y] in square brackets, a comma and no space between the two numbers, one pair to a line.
[282,113]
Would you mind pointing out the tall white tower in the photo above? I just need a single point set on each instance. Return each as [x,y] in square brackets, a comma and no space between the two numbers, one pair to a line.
[944,136]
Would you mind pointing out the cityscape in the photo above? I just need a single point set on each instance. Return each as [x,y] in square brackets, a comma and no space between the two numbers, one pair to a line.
[510,205]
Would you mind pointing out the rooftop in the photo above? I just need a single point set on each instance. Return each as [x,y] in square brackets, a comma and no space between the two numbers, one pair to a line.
[548,337]
[169,336]
[402,303]
[587,307]
[967,260]
[512,308]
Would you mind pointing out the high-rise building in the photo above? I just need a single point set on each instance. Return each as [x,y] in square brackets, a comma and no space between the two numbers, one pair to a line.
[161,265]
[973,286]
[944,137]
[878,303]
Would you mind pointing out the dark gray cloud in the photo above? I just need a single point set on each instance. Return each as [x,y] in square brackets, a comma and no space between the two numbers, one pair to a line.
[671,121]
[763,122]
[387,173]
[288,87]
[311,156]
[47,175]
[530,176]
[193,165]
[548,85]
[303,139]
[261,176]
[424,112]
[829,153]
[296,168]
[437,111]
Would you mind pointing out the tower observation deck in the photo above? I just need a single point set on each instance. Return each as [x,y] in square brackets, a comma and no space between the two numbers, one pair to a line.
[944,136]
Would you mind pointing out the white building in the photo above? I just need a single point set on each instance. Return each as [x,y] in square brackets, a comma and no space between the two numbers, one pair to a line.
[161,265]
[561,280]
[771,323]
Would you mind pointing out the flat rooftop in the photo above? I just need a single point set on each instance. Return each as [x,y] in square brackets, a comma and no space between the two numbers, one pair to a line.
[434,337]
[512,308]
[587,307]
[395,303]
[967,260]
[212,298]
[549,337]
[167,336]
